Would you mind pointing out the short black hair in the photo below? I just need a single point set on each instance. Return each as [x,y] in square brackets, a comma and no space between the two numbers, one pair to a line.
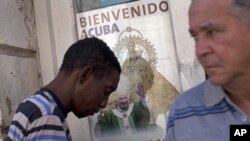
[90,51]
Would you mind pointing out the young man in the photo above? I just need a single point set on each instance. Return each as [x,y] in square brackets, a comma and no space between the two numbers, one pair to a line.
[89,73]
[221,29]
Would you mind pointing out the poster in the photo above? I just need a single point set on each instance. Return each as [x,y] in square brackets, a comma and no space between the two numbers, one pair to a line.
[141,37]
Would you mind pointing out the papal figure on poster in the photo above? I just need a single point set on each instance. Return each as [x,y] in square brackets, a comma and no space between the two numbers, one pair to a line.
[145,93]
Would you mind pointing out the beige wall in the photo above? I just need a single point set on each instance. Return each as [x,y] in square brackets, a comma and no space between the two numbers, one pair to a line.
[19,73]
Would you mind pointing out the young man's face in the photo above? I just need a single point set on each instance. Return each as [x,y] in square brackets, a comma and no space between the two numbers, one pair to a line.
[222,41]
[93,93]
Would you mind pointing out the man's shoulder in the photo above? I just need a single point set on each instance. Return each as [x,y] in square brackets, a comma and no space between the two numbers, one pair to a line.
[38,104]
[196,90]
[193,96]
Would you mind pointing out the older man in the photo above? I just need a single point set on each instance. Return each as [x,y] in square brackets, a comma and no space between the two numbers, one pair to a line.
[221,29]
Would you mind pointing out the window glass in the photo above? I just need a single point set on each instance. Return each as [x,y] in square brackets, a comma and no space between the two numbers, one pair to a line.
[141,37]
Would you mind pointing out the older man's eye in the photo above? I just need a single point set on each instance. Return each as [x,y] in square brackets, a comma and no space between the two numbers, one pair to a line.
[211,32]
[194,35]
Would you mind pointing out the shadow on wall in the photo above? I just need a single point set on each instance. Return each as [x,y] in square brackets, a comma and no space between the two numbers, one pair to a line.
[3,131]
[1,125]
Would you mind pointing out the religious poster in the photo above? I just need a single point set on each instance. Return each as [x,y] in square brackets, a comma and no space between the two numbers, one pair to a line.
[141,37]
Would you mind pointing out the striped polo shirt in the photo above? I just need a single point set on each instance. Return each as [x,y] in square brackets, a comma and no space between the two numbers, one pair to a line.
[40,117]
[203,113]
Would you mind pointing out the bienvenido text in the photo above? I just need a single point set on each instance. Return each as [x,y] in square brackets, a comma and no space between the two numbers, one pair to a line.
[103,23]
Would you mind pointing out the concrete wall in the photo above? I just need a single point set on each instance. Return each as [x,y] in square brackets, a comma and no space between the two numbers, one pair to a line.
[19,73]
[0,125]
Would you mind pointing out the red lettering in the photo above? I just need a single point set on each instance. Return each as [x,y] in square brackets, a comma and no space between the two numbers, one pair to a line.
[115,28]
[100,31]
[163,6]
[90,33]
[90,23]
[96,19]
[117,14]
[135,11]
[125,13]
[105,18]
[106,29]
[83,34]
[144,9]
[152,8]
[83,21]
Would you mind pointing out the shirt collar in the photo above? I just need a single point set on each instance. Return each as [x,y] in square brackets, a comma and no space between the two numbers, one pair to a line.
[213,94]
[56,99]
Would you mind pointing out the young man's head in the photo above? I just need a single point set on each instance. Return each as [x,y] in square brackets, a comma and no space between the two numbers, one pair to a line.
[90,52]
[95,72]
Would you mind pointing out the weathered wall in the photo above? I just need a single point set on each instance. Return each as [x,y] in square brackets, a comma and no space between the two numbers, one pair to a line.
[0,125]
[19,73]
